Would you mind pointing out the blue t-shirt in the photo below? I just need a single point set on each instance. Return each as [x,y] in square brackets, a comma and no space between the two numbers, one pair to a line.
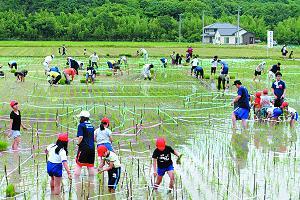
[225,67]
[54,69]
[86,130]
[278,87]
[243,102]
[163,60]
[275,68]
[198,69]
[12,62]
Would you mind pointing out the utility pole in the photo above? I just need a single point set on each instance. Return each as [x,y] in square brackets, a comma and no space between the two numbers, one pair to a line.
[238,27]
[202,26]
[180,27]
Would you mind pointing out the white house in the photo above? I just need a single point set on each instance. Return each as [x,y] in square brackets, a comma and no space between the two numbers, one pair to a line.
[225,33]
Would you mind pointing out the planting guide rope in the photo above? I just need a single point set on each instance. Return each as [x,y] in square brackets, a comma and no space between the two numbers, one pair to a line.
[124,133]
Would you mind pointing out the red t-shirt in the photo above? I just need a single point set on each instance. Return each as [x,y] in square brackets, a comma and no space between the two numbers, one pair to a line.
[257,102]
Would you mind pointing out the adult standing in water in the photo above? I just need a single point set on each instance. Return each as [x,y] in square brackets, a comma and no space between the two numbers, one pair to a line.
[86,147]
[241,112]
[64,50]
[94,59]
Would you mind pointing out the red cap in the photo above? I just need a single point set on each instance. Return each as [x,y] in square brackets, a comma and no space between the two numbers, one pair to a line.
[63,137]
[284,104]
[161,144]
[258,94]
[101,150]
[265,91]
[105,120]
[13,103]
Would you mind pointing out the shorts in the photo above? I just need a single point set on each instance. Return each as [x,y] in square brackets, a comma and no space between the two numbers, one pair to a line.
[113,177]
[271,74]
[241,113]
[257,73]
[54,169]
[278,102]
[107,145]
[162,171]
[276,112]
[295,117]
[193,67]
[85,157]
[213,70]
[87,76]
[15,134]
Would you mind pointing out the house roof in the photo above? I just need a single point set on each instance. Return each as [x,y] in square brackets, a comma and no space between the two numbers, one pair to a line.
[221,25]
[225,31]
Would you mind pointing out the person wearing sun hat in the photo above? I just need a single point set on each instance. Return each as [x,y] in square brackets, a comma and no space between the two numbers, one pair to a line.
[162,162]
[241,112]
[86,147]
[113,168]
[290,113]
[103,135]
[15,124]
[57,159]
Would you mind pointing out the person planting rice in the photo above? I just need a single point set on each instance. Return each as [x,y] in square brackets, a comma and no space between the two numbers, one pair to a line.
[103,134]
[214,65]
[54,69]
[21,75]
[274,113]
[177,59]
[123,60]
[47,62]
[265,103]
[257,72]
[1,72]
[278,90]
[147,71]
[173,58]
[86,148]
[223,77]
[64,50]
[241,112]
[12,64]
[90,75]
[190,52]
[187,58]
[162,163]
[194,64]
[289,113]
[164,62]
[199,73]
[69,74]
[256,105]
[73,64]
[94,59]
[15,124]
[53,77]
[57,159]
[116,67]
[113,168]
[143,52]
[273,70]
[111,64]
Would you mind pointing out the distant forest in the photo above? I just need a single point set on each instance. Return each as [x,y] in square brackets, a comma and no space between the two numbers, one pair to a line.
[144,20]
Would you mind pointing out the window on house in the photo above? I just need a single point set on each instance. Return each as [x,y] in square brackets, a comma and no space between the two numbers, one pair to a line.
[226,40]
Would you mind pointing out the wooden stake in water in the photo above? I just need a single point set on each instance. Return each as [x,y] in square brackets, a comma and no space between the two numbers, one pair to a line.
[5,172]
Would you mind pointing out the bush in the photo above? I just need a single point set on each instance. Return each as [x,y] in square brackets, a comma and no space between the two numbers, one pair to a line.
[109,73]
[3,145]
[13,71]
[10,190]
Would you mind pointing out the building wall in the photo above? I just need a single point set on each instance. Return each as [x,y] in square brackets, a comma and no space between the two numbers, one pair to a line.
[246,38]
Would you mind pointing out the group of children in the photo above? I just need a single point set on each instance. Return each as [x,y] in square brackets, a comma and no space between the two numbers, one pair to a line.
[86,137]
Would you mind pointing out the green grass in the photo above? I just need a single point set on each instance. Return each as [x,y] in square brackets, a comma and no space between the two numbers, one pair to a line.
[3,145]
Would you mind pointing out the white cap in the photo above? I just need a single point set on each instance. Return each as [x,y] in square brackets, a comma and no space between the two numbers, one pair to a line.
[84,113]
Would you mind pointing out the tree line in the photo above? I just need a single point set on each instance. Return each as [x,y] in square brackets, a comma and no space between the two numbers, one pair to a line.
[143,20]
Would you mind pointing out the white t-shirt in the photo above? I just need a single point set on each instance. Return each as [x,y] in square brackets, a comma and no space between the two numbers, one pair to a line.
[94,58]
[56,158]
[214,63]
[265,101]
[48,59]
[291,110]
[260,67]
[112,158]
[195,62]
[143,51]
[102,136]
